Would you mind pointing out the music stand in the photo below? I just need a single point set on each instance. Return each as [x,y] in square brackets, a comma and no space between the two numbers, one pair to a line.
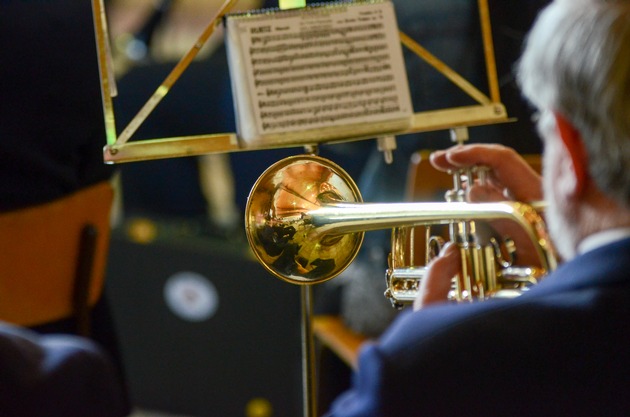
[488,110]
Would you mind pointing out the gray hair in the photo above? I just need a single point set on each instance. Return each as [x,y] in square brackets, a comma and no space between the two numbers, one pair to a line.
[577,63]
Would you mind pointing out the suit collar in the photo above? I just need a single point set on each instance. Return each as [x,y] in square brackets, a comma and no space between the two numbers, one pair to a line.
[606,265]
[603,238]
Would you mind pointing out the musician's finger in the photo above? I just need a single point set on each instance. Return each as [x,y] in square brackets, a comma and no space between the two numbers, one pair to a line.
[507,167]
[485,193]
[436,283]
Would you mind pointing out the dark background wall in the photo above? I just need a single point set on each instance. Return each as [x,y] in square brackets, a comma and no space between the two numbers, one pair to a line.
[248,349]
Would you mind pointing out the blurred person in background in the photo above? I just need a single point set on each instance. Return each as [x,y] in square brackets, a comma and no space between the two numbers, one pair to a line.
[51,139]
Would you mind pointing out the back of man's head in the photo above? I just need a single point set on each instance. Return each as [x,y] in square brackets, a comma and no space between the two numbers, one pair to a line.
[577,63]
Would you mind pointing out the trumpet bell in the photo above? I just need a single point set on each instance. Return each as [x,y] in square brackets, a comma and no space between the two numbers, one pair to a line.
[280,230]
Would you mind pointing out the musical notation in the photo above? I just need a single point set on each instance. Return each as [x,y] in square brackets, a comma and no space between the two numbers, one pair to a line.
[317,68]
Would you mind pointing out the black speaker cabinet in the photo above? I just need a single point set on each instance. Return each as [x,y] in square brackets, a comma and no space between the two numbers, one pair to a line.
[204,329]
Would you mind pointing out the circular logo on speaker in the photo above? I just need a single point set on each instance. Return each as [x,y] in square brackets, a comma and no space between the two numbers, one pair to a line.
[191,296]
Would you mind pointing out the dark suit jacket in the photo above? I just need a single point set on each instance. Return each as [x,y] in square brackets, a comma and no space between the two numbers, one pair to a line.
[56,376]
[562,349]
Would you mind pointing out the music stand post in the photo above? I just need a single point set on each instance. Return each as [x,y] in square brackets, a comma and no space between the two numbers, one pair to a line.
[309,374]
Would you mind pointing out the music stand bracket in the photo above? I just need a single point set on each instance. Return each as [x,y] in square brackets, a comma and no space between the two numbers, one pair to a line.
[119,149]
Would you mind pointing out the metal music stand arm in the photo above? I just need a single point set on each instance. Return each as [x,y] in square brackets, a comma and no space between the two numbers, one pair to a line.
[106,72]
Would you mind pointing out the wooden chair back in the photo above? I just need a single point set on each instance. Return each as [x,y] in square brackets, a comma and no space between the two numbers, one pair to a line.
[53,256]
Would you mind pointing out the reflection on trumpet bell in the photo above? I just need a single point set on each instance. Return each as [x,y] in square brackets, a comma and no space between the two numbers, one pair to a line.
[279,220]
[305,223]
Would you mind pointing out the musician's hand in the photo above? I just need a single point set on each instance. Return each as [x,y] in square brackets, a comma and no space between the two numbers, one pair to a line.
[436,283]
[510,177]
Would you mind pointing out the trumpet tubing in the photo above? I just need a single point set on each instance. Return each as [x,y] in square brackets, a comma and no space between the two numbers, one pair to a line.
[305,222]
[485,272]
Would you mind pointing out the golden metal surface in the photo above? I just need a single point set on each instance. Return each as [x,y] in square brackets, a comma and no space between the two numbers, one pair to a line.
[106,73]
[228,142]
[171,148]
[280,225]
[305,220]
[444,69]
[488,46]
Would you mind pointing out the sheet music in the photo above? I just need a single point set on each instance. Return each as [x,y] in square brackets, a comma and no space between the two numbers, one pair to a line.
[326,70]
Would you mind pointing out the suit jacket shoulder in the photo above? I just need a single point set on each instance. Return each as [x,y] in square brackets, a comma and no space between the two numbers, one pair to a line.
[561,349]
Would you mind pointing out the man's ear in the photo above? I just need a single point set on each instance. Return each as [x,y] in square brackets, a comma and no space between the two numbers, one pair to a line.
[572,140]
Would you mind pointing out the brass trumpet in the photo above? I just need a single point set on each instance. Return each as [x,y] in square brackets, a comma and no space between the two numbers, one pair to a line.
[305,222]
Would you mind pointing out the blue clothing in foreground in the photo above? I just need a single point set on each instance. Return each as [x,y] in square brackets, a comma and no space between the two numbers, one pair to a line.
[559,350]
[56,376]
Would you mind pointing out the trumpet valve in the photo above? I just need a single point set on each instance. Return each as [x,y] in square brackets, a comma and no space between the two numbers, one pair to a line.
[403,285]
